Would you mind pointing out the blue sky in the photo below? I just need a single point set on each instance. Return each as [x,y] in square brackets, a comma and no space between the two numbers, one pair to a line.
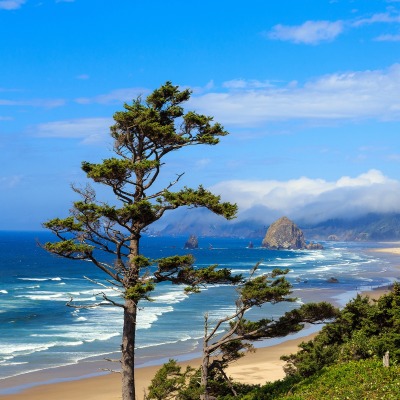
[309,91]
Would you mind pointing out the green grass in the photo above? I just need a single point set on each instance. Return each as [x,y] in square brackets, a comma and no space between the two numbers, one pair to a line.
[354,380]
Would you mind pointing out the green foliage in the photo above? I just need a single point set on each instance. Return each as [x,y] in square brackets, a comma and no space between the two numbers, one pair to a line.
[64,225]
[172,263]
[139,291]
[141,261]
[180,269]
[200,198]
[156,121]
[363,329]
[261,289]
[344,361]
[110,171]
[211,275]
[269,391]
[68,248]
[144,133]
[169,381]
[355,380]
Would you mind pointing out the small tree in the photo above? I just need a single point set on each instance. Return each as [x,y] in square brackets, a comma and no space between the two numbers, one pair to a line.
[168,381]
[221,349]
[144,133]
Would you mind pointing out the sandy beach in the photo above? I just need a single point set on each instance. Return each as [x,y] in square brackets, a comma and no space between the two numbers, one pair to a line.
[258,367]
[255,368]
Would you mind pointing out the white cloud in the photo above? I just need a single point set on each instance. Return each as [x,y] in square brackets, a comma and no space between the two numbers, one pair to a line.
[313,200]
[90,130]
[115,96]
[200,89]
[47,103]
[388,38]
[247,84]
[315,32]
[310,32]
[371,94]
[385,18]
[11,4]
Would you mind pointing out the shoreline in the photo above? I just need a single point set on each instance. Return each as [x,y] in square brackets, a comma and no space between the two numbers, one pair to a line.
[255,368]
[74,381]
[259,367]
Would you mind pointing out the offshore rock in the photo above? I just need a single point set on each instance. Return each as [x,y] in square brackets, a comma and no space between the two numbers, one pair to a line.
[192,242]
[333,238]
[284,234]
[332,280]
[314,246]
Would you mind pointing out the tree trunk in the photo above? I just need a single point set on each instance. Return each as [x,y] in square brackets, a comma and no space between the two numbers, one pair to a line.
[128,351]
[129,330]
[205,361]
[204,375]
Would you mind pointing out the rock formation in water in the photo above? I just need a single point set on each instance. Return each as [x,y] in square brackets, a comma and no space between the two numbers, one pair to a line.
[192,242]
[284,234]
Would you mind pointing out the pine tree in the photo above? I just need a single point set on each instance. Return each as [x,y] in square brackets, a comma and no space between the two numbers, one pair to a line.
[144,133]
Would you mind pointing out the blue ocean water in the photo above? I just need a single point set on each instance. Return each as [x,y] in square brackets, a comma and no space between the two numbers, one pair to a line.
[38,331]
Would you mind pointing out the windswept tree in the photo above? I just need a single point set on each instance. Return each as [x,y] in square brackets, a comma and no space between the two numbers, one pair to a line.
[220,349]
[144,133]
[231,337]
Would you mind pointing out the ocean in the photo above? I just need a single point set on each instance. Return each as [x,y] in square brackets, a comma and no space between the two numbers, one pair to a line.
[38,331]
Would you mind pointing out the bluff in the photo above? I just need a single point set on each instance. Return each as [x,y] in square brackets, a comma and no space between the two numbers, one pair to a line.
[284,234]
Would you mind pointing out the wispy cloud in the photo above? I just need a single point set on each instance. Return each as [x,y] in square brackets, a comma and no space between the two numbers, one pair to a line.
[385,18]
[388,38]
[310,32]
[371,94]
[89,130]
[247,84]
[313,200]
[46,103]
[11,4]
[316,32]
[115,96]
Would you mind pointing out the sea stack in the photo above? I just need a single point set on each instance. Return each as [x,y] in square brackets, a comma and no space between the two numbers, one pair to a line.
[192,242]
[284,234]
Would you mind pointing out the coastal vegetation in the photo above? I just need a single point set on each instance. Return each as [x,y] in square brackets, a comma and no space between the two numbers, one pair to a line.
[232,336]
[108,234]
[343,361]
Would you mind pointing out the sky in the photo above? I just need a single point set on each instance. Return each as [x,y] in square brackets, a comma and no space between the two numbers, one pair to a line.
[308,90]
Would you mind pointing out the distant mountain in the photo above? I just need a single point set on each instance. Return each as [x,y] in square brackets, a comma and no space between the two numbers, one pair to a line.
[373,227]
[370,227]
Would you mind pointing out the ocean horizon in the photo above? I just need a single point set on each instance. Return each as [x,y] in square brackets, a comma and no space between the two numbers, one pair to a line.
[38,332]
